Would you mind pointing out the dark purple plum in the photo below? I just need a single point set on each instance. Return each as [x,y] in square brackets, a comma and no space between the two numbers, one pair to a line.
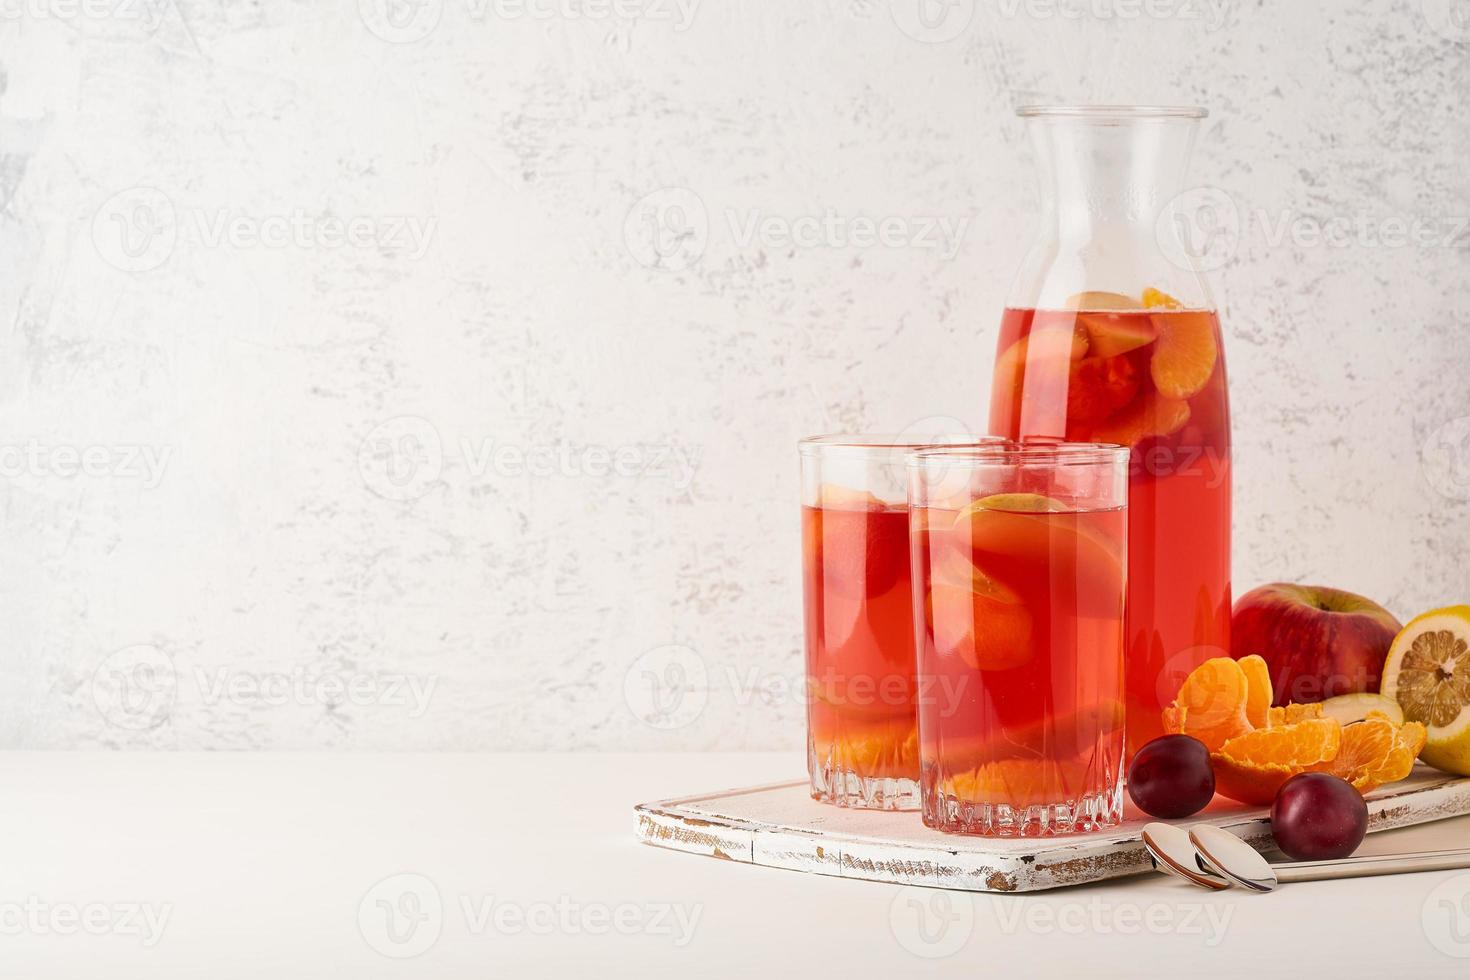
[1171,777]
[1318,817]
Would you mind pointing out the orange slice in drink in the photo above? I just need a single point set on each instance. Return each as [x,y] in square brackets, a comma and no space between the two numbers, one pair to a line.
[1156,298]
[1026,542]
[1018,782]
[985,625]
[879,750]
[1150,415]
[1211,704]
[1251,767]
[1184,354]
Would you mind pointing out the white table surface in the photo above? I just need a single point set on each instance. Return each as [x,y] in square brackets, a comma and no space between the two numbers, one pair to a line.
[224,865]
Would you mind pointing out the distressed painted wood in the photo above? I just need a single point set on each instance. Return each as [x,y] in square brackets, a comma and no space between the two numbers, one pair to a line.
[781,826]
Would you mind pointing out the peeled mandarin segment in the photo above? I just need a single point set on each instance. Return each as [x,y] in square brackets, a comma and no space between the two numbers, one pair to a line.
[1097,299]
[1184,354]
[1155,298]
[1111,334]
[1303,744]
[1364,750]
[1211,704]
[1151,415]
[1376,752]
[1258,689]
[1407,746]
[1251,767]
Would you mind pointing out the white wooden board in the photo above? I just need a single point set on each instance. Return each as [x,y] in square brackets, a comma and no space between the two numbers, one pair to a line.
[781,826]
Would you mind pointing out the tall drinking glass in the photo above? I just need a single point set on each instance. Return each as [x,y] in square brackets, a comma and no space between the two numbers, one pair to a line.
[862,735]
[1020,558]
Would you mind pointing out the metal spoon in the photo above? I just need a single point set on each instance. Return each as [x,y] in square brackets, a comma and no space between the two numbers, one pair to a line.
[1226,854]
[1171,851]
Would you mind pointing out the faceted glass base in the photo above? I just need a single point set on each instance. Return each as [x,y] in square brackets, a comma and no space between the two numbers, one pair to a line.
[951,815]
[843,787]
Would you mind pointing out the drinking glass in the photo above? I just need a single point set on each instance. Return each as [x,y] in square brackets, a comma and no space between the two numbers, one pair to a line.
[1019,555]
[862,735]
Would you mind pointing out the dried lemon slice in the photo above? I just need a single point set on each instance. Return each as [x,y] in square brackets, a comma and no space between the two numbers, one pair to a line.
[1428,674]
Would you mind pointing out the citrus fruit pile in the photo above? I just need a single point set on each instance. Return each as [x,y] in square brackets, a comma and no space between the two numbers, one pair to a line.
[1255,748]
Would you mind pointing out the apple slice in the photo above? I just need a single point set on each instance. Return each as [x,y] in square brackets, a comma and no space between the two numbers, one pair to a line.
[1111,334]
[834,497]
[1351,708]
[1097,299]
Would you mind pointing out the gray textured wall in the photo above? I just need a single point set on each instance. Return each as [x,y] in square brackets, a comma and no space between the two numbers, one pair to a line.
[348,398]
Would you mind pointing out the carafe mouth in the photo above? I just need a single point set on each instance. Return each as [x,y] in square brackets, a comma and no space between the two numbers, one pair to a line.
[1105,114]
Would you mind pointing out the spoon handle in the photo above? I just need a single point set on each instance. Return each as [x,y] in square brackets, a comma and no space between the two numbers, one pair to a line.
[1378,864]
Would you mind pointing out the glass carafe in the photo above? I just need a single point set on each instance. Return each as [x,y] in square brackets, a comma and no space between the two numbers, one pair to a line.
[1110,335]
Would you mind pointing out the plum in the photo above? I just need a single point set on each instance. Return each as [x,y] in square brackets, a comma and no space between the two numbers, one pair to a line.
[1318,817]
[1171,777]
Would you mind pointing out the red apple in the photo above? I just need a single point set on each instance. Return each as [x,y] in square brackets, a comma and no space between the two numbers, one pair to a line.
[1318,642]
